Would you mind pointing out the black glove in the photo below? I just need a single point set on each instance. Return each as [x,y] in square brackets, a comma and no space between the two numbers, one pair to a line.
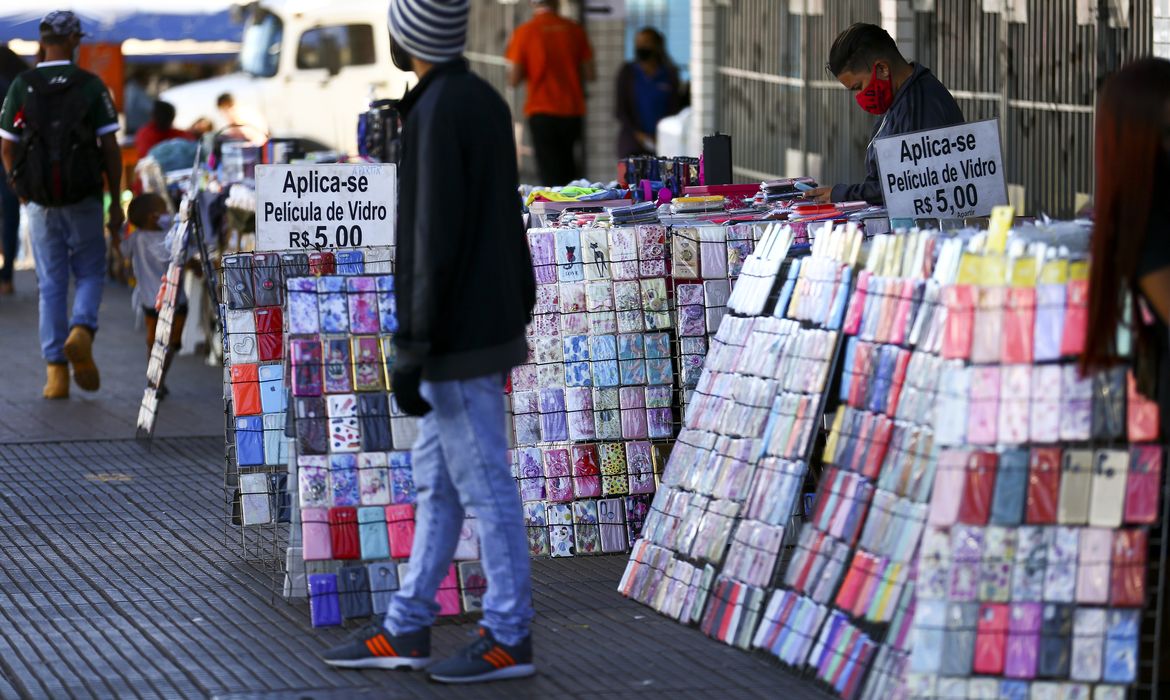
[405,385]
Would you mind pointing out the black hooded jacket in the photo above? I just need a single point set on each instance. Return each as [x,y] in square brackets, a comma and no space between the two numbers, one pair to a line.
[465,284]
[922,102]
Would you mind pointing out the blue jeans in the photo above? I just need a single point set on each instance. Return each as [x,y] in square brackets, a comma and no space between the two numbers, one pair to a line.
[460,463]
[66,240]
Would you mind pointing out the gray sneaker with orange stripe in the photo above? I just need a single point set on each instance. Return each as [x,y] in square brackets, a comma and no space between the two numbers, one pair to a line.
[374,647]
[484,660]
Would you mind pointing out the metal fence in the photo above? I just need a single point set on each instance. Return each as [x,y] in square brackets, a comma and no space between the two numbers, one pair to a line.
[787,115]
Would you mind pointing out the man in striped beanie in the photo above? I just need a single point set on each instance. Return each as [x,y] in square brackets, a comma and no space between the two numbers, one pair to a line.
[466,291]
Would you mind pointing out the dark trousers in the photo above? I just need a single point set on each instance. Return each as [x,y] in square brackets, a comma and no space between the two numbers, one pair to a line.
[556,140]
[9,227]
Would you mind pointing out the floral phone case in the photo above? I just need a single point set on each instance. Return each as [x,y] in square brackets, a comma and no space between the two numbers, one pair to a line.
[332,307]
[362,304]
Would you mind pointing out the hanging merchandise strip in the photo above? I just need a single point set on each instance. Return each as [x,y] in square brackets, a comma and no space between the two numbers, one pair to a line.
[713,538]
[849,581]
[1033,561]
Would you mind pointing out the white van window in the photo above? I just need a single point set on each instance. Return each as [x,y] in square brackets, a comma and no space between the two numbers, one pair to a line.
[353,44]
[260,48]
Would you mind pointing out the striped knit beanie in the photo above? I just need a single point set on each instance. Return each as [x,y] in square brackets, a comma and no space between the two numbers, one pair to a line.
[431,30]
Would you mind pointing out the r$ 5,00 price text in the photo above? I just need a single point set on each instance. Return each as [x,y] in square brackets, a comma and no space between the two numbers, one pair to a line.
[321,237]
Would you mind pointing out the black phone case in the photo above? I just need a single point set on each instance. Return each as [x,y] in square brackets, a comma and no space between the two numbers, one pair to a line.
[1055,642]
[311,428]
[237,281]
[294,265]
[374,419]
[280,497]
[353,584]
[1109,404]
[268,279]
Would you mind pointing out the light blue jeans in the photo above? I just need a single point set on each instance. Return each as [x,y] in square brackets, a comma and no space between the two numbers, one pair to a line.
[460,464]
[66,240]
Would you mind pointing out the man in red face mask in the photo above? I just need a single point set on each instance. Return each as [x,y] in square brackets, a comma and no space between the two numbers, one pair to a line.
[905,96]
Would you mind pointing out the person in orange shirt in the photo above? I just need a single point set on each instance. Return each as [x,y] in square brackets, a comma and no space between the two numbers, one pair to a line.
[553,54]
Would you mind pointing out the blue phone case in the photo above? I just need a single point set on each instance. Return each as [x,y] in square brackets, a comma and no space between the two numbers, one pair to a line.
[372,532]
[324,606]
[249,441]
[350,262]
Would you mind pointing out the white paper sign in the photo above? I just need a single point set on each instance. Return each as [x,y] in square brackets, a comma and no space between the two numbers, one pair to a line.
[326,206]
[947,173]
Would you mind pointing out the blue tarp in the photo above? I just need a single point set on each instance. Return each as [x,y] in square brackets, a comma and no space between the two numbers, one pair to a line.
[120,26]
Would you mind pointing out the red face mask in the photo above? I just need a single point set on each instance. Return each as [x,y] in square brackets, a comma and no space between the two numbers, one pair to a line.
[877,98]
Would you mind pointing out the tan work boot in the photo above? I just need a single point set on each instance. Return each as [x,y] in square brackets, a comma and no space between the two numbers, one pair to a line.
[57,385]
[79,352]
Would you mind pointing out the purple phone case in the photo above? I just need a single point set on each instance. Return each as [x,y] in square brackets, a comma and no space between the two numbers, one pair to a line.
[324,603]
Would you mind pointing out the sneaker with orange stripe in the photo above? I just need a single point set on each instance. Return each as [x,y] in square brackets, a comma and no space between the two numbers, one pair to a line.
[374,647]
[484,660]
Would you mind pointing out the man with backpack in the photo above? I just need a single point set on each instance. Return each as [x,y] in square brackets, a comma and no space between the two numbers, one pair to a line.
[57,128]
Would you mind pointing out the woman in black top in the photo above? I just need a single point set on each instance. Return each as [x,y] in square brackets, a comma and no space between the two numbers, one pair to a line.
[1131,235]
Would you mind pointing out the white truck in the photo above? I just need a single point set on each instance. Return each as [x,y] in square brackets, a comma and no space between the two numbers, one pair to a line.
[307,68]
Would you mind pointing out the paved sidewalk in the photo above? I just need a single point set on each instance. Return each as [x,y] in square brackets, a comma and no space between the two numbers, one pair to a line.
[122,578]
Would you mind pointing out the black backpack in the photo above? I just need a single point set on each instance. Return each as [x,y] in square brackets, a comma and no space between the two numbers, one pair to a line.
[58,160]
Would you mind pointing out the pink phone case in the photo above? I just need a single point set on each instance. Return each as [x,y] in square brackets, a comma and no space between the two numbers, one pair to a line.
[316,541]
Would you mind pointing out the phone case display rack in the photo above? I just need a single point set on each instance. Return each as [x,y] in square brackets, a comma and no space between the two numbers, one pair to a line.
[988,523]
[309,342]
[618,333]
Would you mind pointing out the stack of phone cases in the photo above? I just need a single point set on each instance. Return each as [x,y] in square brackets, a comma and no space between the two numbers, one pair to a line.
[850,573]
[1033,565]
[981,523]
[717,527]
[593,411]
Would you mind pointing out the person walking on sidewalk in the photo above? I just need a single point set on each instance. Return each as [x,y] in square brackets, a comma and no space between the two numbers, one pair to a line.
[553,54]
[465,296]
[57,125]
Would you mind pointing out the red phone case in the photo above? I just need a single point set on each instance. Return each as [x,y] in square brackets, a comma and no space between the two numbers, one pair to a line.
[1144,484]
[960,321]
[269,333]
[863,373]
[875,454]
[1142,415]
[322,263]
[978,488]
[1076,318]
[400,528]
[1043,486]
[991,639]
[854,579]
[246,390]
[1127,587]
[343,533]
[1019,325]
[900,367]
